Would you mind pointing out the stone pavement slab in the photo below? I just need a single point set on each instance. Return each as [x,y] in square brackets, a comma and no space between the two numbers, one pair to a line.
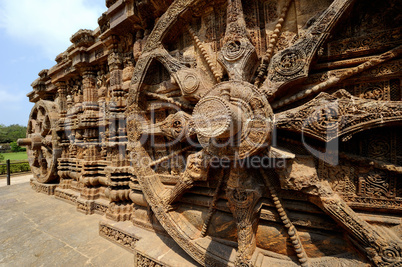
[15,179]
[39,230]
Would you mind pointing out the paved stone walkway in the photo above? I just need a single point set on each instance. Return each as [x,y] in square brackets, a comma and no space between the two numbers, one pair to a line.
[39,230]
[15,179]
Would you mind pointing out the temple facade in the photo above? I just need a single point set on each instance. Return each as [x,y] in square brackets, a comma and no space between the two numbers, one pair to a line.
[230,132]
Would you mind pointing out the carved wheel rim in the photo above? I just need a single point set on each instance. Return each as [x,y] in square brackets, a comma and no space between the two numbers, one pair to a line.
[42,151]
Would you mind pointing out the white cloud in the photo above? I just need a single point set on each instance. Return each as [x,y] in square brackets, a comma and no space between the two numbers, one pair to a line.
[48,24]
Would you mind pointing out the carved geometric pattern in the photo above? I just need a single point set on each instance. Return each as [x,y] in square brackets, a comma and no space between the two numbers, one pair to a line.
[375,91]
[365,43]
[343,179]
[142,260]
[377,184]
[271,10]
[117,236]
[395,86]
[381,146]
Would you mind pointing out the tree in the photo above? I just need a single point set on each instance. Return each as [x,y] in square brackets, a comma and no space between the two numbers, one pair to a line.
[3,133]
[11,133]
[16,148]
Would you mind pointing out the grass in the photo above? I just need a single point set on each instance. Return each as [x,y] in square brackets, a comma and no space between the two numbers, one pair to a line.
[15,156]
[18,158]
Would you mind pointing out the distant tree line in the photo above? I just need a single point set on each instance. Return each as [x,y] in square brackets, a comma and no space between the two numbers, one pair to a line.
[10,135]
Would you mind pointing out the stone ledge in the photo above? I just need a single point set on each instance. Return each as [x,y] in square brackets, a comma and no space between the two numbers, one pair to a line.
[47,189]
[149,248]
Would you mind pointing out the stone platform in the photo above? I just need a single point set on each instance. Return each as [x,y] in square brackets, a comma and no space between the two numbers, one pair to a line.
[38,230]
[150,248]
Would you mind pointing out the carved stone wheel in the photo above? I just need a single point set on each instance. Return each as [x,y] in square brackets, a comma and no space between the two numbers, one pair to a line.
[185,113]
[41,141]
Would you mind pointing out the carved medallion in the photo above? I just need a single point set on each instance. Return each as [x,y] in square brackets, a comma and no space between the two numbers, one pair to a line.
[290,62]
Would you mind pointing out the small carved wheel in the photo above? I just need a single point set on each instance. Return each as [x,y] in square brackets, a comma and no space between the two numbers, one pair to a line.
[40,142]
[198,118]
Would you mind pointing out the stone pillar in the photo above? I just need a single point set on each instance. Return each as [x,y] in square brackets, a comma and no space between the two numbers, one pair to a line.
[115,62]
[90,94]
[62,91]
[117,104]
[127,72]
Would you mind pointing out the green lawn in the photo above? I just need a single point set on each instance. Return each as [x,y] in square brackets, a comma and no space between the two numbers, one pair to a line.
[15,156]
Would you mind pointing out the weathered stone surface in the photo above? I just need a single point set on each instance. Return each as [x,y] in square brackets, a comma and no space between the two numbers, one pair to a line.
[251,132]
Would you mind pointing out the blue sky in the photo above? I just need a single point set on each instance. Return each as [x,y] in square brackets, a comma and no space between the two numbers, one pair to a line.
[32,34]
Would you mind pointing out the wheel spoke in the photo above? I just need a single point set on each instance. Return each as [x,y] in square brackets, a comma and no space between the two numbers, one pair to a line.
[205,55]
[169,100]
[339,77]
[238,54]
[170,156]
[293,63]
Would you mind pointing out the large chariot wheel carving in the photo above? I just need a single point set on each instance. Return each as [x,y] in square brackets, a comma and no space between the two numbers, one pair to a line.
[230,119]
[201,114]
[41,142]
